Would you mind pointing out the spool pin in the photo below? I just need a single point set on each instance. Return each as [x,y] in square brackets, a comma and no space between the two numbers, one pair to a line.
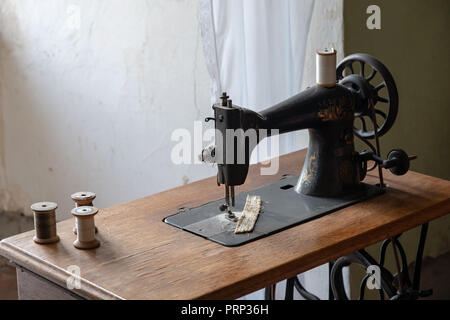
[45,222]
[83,198]
[84,219]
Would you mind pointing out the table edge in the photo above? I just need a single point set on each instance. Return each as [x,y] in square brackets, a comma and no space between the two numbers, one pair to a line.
[53,273]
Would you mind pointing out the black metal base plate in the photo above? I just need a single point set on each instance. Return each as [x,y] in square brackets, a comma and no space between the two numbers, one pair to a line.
[282,208]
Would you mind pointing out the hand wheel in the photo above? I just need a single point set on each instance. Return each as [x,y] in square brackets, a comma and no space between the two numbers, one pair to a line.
[361,81]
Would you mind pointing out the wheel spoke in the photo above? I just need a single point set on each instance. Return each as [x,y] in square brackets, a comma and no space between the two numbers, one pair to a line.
[373,74]
[350,66]
[342,75]
[363,122]
[381,113]
[361,71]
[381,99]
[380,86]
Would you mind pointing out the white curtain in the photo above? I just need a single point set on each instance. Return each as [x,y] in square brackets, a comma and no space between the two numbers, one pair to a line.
[256,51]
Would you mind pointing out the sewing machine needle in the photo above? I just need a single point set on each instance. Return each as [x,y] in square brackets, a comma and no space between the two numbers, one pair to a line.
[232,196]
[230,214]
[227,197]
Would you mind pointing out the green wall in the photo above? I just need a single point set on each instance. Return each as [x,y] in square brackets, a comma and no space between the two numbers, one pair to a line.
[415,46]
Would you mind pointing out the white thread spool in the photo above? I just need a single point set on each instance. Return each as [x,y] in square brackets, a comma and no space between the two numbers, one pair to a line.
[326,67]
[83,198]
[85,224]
[45,222]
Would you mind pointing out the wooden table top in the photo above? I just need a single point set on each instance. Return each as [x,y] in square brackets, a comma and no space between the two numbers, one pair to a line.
[141,257]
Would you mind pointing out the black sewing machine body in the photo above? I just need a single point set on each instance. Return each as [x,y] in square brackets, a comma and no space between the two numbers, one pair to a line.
[331,167]
[333,170]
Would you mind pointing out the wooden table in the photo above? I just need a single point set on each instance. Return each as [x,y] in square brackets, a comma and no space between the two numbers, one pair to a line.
[143,258]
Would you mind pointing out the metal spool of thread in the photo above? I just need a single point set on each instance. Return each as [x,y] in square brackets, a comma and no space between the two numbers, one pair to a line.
[83,198]
[45,222]
[85,223]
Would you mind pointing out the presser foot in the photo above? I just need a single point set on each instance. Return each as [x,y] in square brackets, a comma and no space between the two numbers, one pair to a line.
[229,215]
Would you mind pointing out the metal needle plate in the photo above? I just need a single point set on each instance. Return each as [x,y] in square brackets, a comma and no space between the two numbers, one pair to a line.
[282,208]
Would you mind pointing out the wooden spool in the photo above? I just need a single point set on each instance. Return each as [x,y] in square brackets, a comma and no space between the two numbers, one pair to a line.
[326,67]
[83,198]
[45,222]
[85,223]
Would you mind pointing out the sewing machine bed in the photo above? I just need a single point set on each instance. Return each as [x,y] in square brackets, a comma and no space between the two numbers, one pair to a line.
[282,208]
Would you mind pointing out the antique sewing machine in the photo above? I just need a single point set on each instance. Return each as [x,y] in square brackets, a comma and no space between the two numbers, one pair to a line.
[333,170]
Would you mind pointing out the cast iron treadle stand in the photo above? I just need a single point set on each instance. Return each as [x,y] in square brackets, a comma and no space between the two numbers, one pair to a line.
[396,286]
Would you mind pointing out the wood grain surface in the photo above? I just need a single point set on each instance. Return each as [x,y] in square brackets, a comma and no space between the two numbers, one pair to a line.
[141,257]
